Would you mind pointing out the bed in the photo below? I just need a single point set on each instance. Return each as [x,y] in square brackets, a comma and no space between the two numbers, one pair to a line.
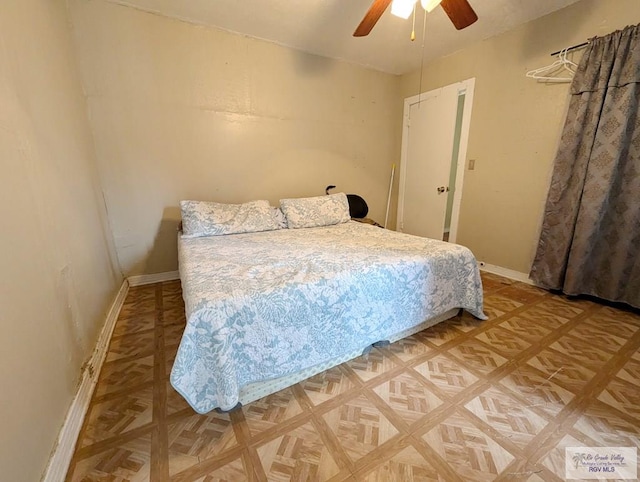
[268,309]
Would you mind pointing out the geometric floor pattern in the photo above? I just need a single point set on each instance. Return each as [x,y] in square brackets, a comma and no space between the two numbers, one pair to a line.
[464,400]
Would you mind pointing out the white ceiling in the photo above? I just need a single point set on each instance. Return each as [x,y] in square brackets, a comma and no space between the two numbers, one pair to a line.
[325,27]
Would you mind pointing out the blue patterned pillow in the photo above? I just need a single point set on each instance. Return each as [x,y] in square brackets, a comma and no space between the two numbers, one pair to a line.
[201,218]
[316,211]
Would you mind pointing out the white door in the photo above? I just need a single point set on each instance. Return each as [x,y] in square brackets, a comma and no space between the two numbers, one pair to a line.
[425,170]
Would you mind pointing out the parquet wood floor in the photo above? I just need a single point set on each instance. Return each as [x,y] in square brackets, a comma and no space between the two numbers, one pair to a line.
[465,400]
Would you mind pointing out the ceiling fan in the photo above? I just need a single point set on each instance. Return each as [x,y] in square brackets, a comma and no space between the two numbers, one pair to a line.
[459,11]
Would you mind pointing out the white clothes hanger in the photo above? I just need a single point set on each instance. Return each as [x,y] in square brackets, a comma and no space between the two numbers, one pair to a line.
[562,65]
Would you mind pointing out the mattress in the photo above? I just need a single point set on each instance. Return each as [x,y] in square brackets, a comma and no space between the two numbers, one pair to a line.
[261,306]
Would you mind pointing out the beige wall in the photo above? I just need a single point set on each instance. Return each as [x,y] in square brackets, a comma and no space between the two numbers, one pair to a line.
[516,125]
[57,275]
[182,111]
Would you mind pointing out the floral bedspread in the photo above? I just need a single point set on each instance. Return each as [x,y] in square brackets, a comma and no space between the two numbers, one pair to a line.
[264,305]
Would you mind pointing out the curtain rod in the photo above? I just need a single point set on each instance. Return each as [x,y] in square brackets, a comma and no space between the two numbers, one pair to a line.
[575,47]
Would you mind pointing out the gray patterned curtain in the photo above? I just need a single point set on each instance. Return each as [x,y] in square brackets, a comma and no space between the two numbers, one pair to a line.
[590,239]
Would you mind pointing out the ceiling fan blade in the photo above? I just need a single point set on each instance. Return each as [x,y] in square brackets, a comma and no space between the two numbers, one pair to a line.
[460,13]
[371,17]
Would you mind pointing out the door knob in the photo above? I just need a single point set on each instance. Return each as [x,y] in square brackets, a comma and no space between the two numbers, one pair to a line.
[442,189]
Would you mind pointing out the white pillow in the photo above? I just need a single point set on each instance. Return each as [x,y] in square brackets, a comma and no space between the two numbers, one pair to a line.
[201,218]
[316,211]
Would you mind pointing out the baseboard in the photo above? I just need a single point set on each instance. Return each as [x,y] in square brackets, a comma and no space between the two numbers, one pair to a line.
[147,279]
[507,273]
[68,436]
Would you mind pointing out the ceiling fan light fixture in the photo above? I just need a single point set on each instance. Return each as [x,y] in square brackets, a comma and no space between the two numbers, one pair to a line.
[402,8]
[459,12]
[429,5]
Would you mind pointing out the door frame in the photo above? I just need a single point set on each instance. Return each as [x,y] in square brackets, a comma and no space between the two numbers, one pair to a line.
[466,87]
